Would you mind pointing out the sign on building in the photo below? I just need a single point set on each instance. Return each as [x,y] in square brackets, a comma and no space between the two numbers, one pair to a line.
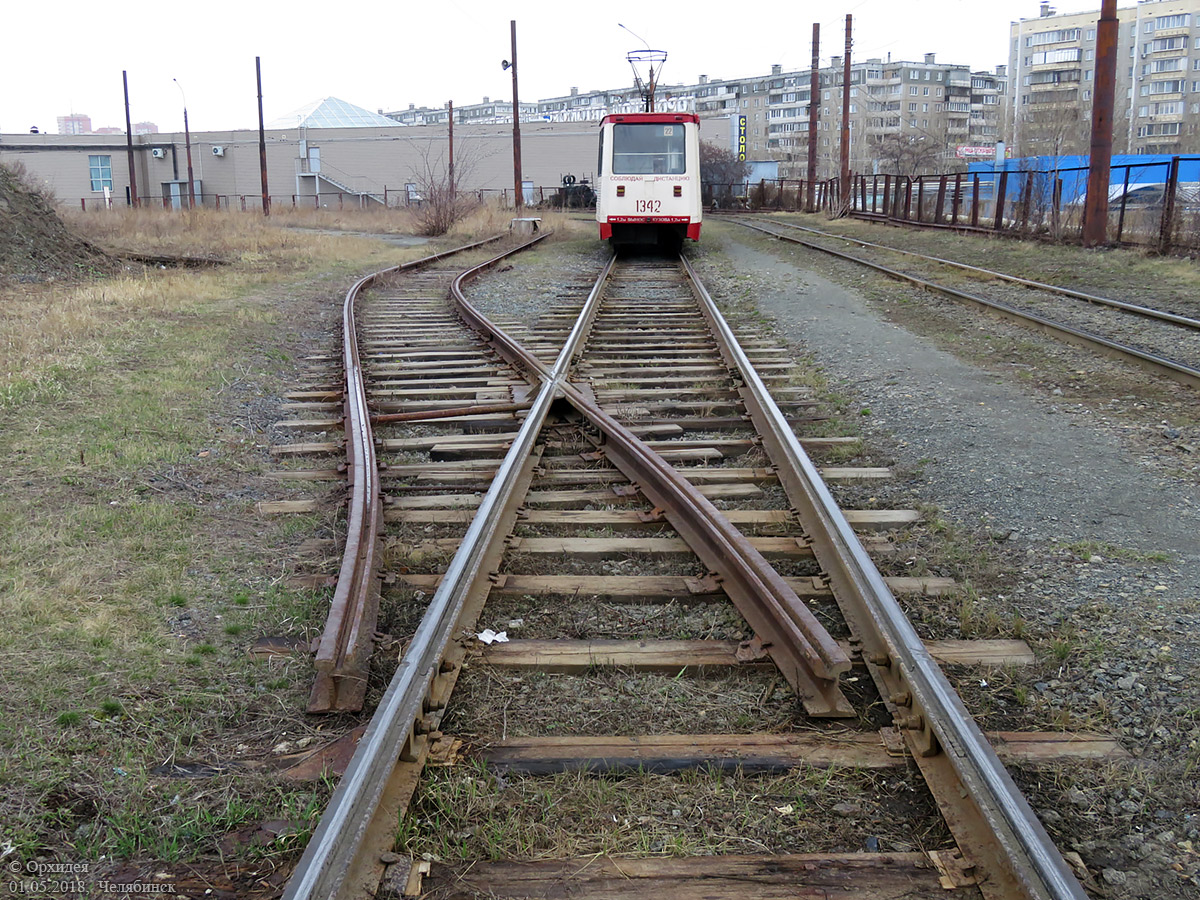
[737,136]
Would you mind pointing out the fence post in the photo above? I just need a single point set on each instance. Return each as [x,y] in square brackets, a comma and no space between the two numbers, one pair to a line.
[1027,200]
[1056,207]
[975,202]
[1168,213]
[957,200]
[908,183]
[1124,199]
[941,200]
[887,195]
[920,197]
[1000,192]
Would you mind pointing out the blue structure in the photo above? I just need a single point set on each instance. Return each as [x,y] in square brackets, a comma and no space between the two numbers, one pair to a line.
[1143,171]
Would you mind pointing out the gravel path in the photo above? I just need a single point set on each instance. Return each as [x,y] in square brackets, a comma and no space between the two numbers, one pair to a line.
[1085,523]
[1150,335]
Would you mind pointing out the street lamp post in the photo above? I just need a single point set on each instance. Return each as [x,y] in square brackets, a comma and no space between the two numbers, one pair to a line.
[187,139]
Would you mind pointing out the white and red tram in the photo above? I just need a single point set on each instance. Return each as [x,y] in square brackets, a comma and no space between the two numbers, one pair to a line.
[648,179]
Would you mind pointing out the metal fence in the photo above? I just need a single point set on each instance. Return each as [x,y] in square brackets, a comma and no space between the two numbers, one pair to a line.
[783,194]
[546,198]
[1148,203]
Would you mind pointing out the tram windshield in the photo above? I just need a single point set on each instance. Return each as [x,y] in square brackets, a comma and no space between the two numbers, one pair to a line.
[649,149]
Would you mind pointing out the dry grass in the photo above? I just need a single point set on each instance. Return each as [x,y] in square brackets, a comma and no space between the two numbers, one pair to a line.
[275,242]
[469,813]
[133,569]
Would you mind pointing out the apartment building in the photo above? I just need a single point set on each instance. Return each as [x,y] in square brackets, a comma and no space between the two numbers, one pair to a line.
[1157,108]
[913,115]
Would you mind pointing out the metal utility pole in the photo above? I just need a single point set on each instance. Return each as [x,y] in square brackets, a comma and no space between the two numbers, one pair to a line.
[262,141]
[187,138]
[133,195]
[814,108]
[518,198]
[844,199]
[1095,210]
[450,170]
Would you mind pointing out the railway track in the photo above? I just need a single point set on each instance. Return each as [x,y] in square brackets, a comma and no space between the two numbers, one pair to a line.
[688,613]
[1164,342]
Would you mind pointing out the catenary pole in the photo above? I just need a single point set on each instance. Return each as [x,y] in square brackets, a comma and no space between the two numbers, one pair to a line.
[262,142]
[133,194]
[844,192]
[1095,210]
[518,198]
[814,108]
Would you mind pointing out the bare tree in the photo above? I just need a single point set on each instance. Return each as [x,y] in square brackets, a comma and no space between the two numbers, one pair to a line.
[1057,130]
[909,154]
[437,203]
[720,170]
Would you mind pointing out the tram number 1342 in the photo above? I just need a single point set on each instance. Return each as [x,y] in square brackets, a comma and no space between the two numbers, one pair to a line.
[649,206]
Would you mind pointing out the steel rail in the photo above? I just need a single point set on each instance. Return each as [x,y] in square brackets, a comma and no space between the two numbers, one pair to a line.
[805,653]
[1185,375]
[1146,311]
[344,648]
[334,846]
[1028,854]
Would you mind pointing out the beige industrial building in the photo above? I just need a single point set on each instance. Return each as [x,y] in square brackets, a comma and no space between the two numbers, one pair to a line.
[306,165]
[1157,106]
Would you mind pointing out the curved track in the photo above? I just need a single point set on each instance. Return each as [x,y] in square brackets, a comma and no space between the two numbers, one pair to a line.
[652,439]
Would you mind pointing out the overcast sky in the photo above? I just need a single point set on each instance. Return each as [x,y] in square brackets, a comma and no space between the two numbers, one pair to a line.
[66,56]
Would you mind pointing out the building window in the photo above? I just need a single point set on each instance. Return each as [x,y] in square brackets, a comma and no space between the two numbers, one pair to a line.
[1091,34]
[1164,22]
[101,172]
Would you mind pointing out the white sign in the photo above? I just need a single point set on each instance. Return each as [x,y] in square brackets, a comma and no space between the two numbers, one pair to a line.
[975,152]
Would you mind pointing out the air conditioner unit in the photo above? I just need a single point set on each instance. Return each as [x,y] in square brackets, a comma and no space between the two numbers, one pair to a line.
[158,153]
[218,151]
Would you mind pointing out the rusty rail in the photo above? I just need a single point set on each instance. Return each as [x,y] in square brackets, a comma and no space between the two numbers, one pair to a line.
[993,823]
[1159,365]
[344,648]
[805,653]
[333,863]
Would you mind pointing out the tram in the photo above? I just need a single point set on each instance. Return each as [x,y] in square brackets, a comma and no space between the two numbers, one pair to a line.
[648,179]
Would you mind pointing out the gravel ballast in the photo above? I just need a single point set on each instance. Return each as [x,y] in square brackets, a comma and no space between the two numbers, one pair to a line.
[1087,506]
